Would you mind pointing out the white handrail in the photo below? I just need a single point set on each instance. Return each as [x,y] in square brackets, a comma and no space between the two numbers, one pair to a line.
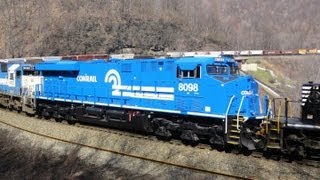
[238,114]
[226,118]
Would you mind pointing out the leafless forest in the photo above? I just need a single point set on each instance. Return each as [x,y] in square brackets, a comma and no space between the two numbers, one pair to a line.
[57,27]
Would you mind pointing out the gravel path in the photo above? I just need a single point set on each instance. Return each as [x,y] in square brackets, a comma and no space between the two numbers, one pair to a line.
[241,165]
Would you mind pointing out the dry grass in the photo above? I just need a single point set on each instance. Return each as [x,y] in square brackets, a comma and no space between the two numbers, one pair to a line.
[291,72]
[33,163]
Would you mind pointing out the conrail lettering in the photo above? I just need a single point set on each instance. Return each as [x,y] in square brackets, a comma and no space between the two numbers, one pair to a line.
[86,78]
[246,93]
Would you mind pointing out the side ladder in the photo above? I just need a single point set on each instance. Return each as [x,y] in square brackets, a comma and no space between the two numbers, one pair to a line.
[273,129]
[233,136]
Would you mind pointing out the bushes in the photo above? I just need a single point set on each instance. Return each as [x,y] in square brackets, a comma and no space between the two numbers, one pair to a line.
[48,27]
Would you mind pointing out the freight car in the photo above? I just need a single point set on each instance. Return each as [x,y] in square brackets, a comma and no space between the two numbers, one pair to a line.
[271,52]
[195,99]
[86,57]
[289,52]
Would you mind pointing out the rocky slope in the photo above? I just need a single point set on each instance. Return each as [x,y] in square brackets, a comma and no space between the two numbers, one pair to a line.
[286,74]
[51,27]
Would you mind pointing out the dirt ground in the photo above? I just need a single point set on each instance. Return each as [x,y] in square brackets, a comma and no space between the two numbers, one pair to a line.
[19,162]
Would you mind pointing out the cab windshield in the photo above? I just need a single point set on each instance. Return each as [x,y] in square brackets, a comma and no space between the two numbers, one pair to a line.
[28,72]
[234,70]
[217,69]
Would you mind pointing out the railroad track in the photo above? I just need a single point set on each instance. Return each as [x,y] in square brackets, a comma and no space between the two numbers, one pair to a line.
[129,134]
[255,154]
[140,136]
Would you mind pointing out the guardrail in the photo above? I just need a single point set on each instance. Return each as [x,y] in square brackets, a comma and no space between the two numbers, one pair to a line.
[246,53]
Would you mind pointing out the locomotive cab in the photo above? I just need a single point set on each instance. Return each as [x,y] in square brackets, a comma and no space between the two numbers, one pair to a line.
[10,76]
[236,97]
[226,70]
[16,78]
[241,91]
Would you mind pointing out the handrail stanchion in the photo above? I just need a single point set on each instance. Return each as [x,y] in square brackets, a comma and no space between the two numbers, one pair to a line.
[278,121]
[267,117]
[238,113]
[286,106]
[226,117]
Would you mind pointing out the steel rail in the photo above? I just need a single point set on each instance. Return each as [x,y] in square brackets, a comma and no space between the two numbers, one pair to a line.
[129,155]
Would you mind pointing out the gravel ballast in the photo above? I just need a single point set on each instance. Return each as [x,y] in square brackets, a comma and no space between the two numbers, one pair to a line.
[245,166]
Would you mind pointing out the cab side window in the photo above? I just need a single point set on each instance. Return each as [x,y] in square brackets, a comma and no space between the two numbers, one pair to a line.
[11,75]
[4,67]
[193,73]
[18,74]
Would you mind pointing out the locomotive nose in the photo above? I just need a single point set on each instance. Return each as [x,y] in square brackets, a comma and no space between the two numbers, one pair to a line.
[249,98]
[252,84]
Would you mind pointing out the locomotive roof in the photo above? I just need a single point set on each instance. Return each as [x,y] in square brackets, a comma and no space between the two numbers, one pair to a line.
[58,65]
[191,59]
[71,65]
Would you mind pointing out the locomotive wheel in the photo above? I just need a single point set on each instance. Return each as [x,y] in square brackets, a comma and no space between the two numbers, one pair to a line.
[71,122]
[58,120]
[190,143]
[219,148]
[275,155]
[162,133]
[189,137]
[19,110]
[267,154]
[229,148]
[245,151]
[47,117]
[31,115]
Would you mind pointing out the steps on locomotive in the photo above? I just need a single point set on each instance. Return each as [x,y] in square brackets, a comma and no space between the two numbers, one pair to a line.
[233,136]
[274,135]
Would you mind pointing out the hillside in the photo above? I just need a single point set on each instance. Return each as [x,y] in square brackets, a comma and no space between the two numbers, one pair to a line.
[287,74]
[51,27]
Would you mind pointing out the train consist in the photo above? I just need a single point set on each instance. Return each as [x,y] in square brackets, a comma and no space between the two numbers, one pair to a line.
[248,53]
[196,99]
[301,136]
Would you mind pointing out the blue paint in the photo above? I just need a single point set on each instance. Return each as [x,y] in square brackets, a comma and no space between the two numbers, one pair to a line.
[174,85]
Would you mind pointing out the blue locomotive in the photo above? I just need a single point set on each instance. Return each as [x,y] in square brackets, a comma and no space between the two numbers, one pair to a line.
[193,98]
[196,99]
[17,85]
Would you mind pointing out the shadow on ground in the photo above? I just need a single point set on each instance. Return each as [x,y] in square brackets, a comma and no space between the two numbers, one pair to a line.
[35,163]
